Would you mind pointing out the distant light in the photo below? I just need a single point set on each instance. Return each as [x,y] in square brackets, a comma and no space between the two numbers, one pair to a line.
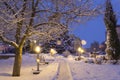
[58,42]
[83,42]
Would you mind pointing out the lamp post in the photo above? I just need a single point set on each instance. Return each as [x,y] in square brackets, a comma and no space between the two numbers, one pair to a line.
[80,51]
[38,50]
[53,51]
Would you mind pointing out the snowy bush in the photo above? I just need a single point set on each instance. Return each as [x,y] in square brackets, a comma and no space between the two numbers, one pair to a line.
[88,60]
[70,57]
[99,59]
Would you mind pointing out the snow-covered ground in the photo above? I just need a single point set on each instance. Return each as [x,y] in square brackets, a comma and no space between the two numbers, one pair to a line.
[90,71]
[48,72]
[85,71]
[79,69]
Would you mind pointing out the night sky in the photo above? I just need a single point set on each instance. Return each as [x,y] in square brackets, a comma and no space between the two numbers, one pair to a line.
[94,29]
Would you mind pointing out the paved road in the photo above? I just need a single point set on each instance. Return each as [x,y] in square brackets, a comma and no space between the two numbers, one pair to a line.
[64,72]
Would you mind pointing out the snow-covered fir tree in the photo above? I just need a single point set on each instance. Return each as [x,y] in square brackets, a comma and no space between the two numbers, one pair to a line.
[112,41]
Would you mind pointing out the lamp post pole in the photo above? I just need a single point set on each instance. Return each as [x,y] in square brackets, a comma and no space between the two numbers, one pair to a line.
[37,50]
[80,51]
[38,60]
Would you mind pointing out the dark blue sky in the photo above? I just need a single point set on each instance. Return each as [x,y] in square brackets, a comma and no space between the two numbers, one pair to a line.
[94,29]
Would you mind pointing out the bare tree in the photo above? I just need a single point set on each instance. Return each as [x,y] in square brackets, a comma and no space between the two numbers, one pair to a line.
[44,19]
[94,46]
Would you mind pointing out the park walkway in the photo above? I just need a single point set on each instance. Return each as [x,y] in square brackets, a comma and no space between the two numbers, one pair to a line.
[64,72]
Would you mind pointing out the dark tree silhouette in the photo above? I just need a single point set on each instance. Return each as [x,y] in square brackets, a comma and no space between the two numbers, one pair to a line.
[112,41]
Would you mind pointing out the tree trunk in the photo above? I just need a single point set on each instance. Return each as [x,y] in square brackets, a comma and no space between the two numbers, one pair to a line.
[17,62]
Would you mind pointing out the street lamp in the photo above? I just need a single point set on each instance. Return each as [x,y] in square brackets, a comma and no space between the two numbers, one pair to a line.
[53,51]
[37,50]
[80,51]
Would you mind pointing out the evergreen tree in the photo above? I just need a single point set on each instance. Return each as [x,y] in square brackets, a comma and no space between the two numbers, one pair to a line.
[112,41]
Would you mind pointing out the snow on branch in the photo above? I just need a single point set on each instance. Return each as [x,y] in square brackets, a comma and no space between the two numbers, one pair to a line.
[48,23]
[8,41]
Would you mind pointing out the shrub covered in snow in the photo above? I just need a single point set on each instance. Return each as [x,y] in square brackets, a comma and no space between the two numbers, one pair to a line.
[70,57]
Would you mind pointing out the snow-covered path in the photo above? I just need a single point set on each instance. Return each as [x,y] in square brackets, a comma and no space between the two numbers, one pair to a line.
[64,72]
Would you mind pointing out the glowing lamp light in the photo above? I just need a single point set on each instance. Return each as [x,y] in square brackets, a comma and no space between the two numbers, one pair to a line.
[38,60]
[53,51]
[83,42]
[37,49]
[80,50]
